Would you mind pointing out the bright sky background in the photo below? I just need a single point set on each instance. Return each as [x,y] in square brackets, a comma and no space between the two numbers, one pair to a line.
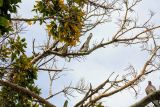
[96,67]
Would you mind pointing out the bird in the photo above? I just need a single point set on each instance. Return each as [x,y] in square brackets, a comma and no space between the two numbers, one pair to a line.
[85,46]
[150,89]
[64,49]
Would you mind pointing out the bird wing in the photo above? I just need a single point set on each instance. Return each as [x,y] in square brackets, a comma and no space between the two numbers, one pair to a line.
[150,89]
[64,49]
[85,46]
[153,88]
[156,103]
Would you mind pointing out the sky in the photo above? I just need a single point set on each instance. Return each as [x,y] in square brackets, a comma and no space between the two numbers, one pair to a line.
[96,67]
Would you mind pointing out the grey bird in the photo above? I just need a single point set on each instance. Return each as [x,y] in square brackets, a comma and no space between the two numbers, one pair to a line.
[64,49]
[85,46]
[150,89]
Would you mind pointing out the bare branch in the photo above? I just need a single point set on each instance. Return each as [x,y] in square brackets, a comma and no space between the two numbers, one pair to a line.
[55,70]
[44,54]
[92,92]
[146,100]
[25,91]
[32,19]
[129,83]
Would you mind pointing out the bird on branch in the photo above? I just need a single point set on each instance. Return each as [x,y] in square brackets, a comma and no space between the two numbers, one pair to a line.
[64,49]
[150,89]
[85,46]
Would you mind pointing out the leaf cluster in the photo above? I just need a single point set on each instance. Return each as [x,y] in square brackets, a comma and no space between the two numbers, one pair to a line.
[67,19]
[6,8]
[21,72]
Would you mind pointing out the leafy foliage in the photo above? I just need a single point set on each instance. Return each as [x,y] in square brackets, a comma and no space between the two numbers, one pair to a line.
[67,19]
[65,25]
[12,51]
[65,22]
[22,74]
[6,8]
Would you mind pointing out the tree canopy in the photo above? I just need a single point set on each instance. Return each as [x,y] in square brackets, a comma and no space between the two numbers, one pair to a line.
[67,24]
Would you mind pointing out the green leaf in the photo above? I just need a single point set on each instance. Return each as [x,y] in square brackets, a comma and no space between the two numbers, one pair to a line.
[65,104]
[4,22]
[99,105]
[1,3]
[13,56]
[23,40]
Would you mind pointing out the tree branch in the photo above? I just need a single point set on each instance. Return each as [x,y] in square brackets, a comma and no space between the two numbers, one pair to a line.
[44,54]
[146,100]
[108,7]
[55,70]
[142,72]
[93,91]
[32,19]
[25,91]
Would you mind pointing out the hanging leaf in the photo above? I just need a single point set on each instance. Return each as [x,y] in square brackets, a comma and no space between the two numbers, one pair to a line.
[65,103]
[1,3]
[29,22]
[4,22]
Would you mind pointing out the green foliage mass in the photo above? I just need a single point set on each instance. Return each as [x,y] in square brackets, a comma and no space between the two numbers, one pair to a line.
[6,8]
[22,74]
[67,18]
[65,24]
[13,51]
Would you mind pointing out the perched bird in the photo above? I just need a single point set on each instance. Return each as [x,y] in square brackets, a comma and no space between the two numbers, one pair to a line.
[150,89]
[85,46]
[64,49]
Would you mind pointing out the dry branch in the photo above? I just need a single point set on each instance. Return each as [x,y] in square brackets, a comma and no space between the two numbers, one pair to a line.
[26,92]
[146,100]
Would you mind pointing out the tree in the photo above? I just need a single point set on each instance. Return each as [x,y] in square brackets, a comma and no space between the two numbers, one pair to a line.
[66,22]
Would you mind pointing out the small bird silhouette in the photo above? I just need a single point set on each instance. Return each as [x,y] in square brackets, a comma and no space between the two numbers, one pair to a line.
[150,89]
[64,49]
[85,46]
